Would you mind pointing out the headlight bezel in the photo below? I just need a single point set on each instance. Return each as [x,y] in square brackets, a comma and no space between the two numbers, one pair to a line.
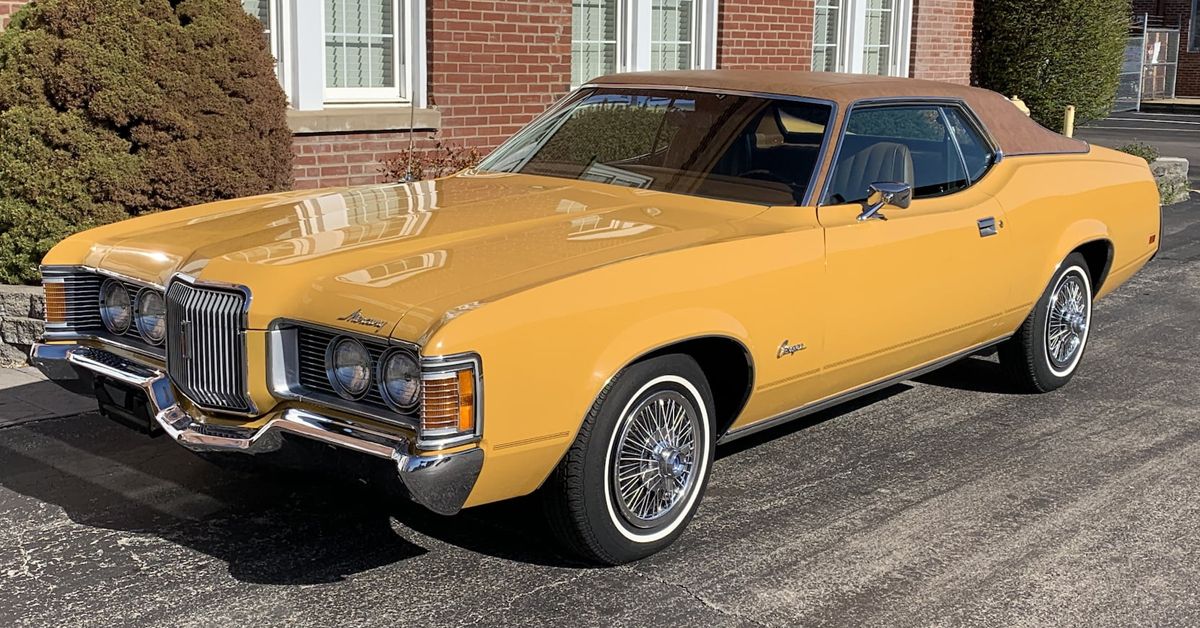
[106,316]
[382,382]
[143,296]
[331,368]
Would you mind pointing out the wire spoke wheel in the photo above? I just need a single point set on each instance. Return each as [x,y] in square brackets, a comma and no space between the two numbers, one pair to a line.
[654,465]
[1067,320]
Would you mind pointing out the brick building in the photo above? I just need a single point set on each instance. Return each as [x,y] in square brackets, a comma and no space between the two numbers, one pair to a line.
[1186,15]
[360,73]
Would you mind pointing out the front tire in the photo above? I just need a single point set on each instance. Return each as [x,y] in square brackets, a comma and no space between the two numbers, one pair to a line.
[1045,352]
[638,469]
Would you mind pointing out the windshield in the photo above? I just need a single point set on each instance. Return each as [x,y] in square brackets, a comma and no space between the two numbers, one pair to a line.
[748,149]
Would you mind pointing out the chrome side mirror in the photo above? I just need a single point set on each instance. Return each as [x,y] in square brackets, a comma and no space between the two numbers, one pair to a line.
[884,194]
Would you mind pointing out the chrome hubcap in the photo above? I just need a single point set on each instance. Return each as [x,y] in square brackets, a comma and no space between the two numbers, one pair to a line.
[1067,323]
[655,461]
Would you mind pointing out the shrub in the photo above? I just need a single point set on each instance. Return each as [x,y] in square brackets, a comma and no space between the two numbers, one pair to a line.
[423,162]
[116,108]
[1052,53]
[1145,151]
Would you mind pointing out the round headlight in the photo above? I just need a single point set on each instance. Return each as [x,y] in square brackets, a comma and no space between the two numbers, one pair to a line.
[151,316]
[349,367]
[116,308]
[400,380]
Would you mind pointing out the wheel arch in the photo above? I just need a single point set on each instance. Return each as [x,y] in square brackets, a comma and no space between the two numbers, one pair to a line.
[1098,254]
[727,365]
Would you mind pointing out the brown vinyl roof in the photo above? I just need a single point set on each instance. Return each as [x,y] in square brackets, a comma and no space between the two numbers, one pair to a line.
[1015,132]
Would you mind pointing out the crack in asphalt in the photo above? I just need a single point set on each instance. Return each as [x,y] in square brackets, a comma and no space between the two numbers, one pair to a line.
[705,602]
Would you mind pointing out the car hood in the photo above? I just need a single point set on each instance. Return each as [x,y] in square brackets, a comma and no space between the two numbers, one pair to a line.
[430,249]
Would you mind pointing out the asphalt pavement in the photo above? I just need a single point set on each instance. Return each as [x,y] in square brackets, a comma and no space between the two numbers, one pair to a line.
[944,501]
[1174,135]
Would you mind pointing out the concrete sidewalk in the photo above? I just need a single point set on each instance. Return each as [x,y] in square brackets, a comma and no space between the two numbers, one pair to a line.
[26,395]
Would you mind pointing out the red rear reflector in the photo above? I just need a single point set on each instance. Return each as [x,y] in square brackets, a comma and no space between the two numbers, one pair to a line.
[1153,238]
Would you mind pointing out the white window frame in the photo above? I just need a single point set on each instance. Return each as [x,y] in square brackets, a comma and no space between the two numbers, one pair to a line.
[1193,43]
[401,85]
[853,38]
[299,35]
[635,20]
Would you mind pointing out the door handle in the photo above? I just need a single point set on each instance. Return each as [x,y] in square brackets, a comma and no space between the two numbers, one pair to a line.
[987,227]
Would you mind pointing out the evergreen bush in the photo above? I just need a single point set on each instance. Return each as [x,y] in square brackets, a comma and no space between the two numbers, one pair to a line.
[1052,53]
[116,108]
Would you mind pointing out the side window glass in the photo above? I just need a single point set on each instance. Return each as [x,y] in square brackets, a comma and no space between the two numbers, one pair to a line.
[905,143]
[976,153]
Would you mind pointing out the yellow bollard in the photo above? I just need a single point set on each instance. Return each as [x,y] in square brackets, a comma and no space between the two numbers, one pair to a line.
[1020,104]
[1069,121]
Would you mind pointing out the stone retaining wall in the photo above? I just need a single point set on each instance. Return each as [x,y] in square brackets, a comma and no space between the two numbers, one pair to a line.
[22,309]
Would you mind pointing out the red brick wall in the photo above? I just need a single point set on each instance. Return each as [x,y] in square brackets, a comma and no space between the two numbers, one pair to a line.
[1187,83]
[774,34]
[941,40]
[7,9]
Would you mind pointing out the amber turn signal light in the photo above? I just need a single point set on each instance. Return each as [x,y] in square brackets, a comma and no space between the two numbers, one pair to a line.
[466,401]
[56,302]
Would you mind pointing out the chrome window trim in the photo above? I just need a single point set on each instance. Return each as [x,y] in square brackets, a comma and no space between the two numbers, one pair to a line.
[244,327]
[808,200]
[901,101]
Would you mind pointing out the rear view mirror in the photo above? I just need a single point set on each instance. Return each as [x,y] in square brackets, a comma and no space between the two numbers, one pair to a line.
[885,194]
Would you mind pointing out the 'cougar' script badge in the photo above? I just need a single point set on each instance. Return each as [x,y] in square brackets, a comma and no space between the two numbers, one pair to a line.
[357,318]
[787,349]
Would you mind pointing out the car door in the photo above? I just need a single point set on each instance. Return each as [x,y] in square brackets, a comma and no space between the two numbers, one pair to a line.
[911,285]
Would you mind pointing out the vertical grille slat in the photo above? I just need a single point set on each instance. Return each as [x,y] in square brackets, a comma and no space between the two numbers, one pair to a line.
[206,345]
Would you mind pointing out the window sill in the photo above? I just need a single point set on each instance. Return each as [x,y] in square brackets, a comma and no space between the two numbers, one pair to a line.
[372,119]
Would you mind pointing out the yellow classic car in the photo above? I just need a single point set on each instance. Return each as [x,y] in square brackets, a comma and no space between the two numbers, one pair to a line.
[660,263]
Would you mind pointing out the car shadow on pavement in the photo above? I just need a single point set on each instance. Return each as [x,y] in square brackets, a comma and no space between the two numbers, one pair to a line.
[974,374]
[273,527]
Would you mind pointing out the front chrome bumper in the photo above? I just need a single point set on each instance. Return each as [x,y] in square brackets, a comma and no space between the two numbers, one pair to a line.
[441,483]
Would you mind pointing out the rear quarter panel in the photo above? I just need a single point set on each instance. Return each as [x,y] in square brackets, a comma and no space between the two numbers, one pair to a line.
[1055,203]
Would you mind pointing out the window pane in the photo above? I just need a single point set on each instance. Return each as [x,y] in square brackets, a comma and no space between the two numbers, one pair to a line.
[740,148]
[593,39]
[671,34]
[1194,25]
[976,152]
[877,49]
[906,144]
[827,34]
[263,11]
[360,44]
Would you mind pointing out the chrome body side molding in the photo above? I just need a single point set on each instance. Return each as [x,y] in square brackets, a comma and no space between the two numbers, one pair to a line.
[830,402]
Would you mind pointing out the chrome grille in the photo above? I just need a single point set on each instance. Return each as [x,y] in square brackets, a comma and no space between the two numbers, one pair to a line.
[206,345]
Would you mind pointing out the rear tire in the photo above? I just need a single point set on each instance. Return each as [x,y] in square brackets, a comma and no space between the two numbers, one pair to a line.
[1045,352]
[637,471]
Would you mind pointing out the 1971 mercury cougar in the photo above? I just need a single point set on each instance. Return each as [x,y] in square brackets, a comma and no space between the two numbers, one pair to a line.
[661,263]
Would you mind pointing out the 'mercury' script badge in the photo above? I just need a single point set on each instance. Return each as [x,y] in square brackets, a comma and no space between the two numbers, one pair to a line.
[357,318]
[789,349]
